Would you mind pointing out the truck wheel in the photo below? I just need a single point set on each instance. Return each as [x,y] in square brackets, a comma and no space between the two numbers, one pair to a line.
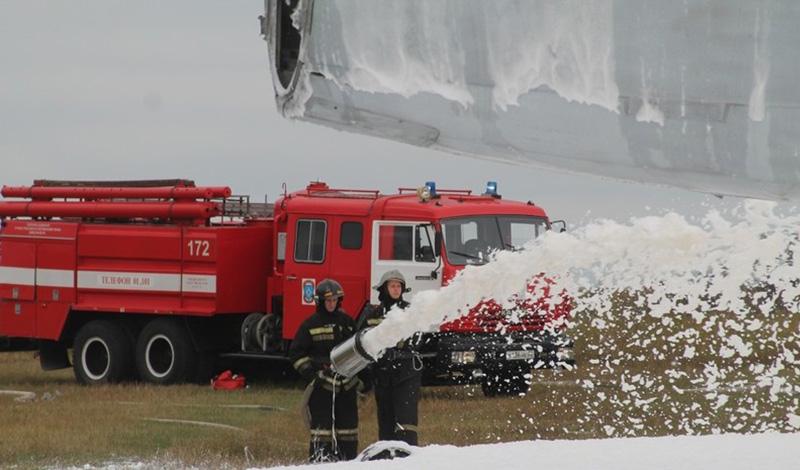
[102,353]
[505,383]
[164,353]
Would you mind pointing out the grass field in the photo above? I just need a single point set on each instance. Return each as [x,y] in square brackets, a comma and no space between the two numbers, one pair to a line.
[637,376]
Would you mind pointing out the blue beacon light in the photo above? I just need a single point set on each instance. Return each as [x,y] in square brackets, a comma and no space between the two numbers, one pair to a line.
[491,189]
[431,185]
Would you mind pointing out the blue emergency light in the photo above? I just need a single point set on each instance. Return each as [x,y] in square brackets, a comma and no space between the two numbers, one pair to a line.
[431,185]
[491,189]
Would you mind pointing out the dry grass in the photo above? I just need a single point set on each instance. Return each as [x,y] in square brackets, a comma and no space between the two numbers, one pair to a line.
[80,424]
[632,380]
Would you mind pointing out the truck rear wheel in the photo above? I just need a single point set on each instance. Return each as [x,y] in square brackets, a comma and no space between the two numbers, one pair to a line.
[164,353]
[506,383]
[102,353]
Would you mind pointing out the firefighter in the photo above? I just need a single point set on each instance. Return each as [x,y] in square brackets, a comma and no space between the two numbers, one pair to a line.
[331,408]
[397,375]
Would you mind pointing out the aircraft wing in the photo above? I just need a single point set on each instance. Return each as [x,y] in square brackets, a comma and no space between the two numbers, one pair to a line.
[699,94]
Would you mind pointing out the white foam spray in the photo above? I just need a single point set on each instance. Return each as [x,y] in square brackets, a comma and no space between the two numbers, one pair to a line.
[668,262]
[696,319]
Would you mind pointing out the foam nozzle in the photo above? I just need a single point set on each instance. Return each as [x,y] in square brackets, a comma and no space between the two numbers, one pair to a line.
[350,357]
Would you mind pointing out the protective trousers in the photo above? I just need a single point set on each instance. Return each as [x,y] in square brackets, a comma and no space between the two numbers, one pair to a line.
[334,425]
[397,408]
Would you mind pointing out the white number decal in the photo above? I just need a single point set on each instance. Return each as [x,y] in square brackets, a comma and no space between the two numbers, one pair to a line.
[199,248]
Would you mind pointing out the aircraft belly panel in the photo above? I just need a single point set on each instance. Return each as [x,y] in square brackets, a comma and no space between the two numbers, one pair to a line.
[697,94]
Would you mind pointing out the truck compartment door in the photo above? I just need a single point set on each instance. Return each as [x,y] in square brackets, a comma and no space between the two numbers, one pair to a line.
[55,286]
[17,288]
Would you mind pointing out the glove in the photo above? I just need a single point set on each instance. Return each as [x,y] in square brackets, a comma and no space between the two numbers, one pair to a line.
[307,373]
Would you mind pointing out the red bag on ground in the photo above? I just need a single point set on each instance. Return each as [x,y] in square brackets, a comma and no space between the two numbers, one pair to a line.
[227,380]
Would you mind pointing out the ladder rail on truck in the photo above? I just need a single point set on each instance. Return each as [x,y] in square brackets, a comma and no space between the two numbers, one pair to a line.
[154,279]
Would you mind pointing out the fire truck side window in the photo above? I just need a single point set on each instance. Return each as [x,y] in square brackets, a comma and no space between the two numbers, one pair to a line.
[423,242]
[351,236]
[309,246]
[395,242]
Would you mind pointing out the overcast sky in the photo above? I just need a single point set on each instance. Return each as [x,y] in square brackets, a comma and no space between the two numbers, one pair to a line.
[132,90]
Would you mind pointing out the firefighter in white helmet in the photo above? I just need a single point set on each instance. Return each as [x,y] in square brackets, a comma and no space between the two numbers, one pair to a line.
[397,374]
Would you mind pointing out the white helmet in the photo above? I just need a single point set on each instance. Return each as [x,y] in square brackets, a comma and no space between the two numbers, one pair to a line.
[392,275]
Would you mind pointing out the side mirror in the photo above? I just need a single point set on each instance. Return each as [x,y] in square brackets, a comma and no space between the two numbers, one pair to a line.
[437,244]
[563,224]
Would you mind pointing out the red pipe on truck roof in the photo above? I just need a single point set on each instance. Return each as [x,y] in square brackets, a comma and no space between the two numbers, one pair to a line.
[166,192]
[154,210]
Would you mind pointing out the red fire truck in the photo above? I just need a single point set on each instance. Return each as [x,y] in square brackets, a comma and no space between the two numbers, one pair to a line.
[153,279]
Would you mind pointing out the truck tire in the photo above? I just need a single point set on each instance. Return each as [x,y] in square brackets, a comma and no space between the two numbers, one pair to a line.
[102,353]
[164,353]
[505,383]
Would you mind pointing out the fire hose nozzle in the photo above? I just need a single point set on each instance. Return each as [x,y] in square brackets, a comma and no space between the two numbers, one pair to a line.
[350,357]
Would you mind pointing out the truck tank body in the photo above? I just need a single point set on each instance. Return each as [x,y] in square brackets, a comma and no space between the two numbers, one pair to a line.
[50,268]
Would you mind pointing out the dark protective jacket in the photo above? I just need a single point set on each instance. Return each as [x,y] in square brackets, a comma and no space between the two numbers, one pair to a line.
[397,358]
[332,404]
[316,337]
[397,377]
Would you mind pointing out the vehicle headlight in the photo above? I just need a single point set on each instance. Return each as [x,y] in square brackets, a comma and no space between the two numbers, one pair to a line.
[463,357]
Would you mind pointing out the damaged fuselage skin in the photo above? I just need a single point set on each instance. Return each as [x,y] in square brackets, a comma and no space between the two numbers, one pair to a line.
[698,94]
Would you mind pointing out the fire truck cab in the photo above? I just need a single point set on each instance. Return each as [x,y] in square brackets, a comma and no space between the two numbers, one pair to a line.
[154,281]
[355,236]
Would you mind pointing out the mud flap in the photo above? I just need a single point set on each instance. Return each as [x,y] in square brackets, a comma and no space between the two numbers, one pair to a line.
[53,355]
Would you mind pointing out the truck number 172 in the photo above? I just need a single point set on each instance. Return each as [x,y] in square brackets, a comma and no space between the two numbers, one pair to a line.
[199,248]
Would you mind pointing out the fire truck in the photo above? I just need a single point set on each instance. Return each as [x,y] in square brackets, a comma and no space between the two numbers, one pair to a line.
[153,280]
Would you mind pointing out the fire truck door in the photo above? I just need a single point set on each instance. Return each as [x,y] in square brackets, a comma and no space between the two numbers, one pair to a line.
[350,260]
[17,288]
[409,248]
[307,263]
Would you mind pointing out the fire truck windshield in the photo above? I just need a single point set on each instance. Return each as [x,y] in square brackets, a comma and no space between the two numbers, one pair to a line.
[470,240]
